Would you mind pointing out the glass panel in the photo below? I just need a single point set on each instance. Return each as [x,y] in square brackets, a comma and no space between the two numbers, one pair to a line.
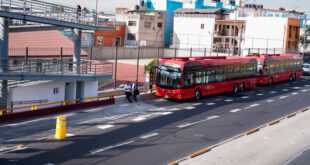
[168,76]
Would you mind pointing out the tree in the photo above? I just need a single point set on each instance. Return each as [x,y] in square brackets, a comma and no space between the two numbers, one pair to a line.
[304,39]
[86,10]
[151,66]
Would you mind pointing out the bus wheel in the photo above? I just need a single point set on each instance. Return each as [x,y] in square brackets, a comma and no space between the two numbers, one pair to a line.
[270,81]
[242,87]
[236,88]
[291,77]
[197,94]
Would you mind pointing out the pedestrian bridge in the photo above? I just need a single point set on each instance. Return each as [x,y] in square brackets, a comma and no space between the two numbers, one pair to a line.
[49,13]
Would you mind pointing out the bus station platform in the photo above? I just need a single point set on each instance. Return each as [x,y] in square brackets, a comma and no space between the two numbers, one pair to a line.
[284,143]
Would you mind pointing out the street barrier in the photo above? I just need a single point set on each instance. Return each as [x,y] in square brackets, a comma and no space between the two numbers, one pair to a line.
[60,132]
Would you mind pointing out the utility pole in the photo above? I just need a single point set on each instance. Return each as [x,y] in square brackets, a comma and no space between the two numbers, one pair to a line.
[305,37]
[96,13]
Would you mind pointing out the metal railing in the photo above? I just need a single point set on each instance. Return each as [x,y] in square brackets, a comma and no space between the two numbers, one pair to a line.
[55,67]
[49,10]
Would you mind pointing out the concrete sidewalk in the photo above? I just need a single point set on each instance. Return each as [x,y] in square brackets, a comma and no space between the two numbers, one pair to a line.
[277,144]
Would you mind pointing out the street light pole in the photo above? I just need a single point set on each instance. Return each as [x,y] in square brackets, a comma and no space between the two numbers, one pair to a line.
[96,13]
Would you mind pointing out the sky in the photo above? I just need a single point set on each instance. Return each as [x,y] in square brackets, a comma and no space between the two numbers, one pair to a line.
[110,5]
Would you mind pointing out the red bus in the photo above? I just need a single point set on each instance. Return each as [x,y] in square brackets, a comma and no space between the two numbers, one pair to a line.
[187,78]
[278,67]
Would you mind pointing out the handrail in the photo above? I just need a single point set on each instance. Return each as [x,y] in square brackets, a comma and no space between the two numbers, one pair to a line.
[64,102]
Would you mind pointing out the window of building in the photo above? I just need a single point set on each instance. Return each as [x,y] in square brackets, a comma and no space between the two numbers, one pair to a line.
[215,27]
[290,32]
[100,40]
[159,25]
[147,24]
[202,26]
[55,91]
[132,23]
[297,33]
[131,36]
[160,15]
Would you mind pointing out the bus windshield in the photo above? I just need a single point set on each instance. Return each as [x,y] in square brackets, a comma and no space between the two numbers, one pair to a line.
[169,76]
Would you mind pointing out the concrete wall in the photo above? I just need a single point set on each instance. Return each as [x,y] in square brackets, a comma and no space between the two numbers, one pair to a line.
[89,89]
[189,34]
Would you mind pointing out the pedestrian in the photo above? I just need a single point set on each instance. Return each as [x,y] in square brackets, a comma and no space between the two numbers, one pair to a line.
[78,12]
[135,88]
[128,93]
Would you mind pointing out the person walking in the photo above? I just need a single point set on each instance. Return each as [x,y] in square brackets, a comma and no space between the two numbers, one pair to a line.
[78,12]
[128,93]
[135,88]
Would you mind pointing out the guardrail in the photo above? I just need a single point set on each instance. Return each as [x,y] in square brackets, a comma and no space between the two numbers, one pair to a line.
[49,10]
[65,102]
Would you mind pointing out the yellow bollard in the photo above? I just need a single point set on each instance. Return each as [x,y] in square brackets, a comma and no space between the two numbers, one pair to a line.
[0,112]
[60,127]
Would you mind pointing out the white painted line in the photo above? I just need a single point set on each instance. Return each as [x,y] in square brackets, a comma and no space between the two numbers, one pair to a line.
[166,113]
[184,125]
[260,94]
[160,109]
[68,115]
[245,97]
[175,109]
[189,124]
[296,87]
[124,105]
[229,100]
[210,103]
[283,97]
[196,104]
[304,90]
[149,135]
[295,93]
[269,101]
[306,85]
[218,100]
[105,126]
[284,90]
[139,119]
[69,134]
[92,110]
[273,92]
[110,147]
[251,106]
[189,108]
[235,110]
[24,123]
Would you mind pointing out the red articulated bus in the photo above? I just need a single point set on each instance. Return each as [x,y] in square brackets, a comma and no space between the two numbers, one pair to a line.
[278,67]
[187,78]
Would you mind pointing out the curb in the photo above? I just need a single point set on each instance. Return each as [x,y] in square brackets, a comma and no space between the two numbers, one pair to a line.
[238,136]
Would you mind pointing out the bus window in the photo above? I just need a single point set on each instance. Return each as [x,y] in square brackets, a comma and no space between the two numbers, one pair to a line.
[168,76]
[260,66]
[210,76]
[199,78]
[219,74]
[188,80]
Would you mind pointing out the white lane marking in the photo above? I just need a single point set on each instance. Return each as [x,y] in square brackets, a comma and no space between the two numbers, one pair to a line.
[68,115]
[273,92]
[124,105]
[69,134]
[196,104]
[139,119]
[160,109]
[295,93]
[105,126]
[24,123]
[260,94]
[304,90]
[269,101]
[189,124]
[93,110]
[110,147]
[189,108]
[229,100]
[283,97]
[296,87]
[166,113]
[218,100]
[307,85]
[175,109]
[284,90]
[149,135]
[235,110]
[210,103]
[245,97]
[251,106]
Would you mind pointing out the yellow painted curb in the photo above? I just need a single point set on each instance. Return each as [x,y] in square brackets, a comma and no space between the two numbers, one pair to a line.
[272,123]
[289,116]
[251,131]
[6,149]
[304,110]
[21,146]
[199,153]
[173,163]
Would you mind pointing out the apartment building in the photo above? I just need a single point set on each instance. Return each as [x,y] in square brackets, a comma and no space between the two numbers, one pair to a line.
[111,38]
[142,27]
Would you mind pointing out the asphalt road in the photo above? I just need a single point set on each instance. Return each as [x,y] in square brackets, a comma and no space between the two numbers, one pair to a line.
[155,131]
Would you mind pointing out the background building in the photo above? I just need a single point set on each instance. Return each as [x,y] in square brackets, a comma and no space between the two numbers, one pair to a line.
[111,38]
